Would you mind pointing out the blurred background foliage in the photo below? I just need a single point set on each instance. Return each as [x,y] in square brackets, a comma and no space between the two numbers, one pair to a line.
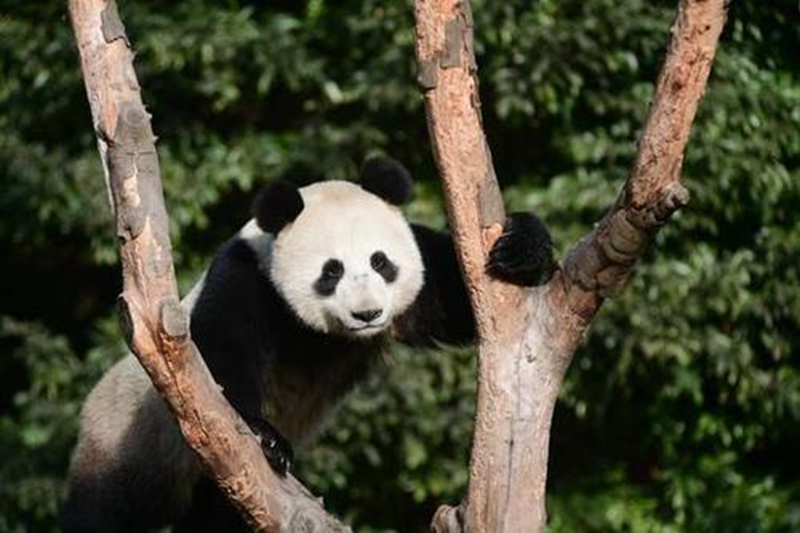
[681,410]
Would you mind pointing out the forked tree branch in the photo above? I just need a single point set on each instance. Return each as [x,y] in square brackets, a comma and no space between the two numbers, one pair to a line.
[156,325]
[528,337]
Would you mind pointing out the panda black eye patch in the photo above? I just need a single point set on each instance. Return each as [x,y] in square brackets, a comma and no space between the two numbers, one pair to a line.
[332,272]
[383,266]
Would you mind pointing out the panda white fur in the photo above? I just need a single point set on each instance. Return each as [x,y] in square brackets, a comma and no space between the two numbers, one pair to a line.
[290,315]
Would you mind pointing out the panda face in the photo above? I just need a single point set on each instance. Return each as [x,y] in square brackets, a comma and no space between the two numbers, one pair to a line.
[348,263]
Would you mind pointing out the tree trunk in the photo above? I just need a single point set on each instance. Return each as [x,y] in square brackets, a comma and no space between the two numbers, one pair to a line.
[156,326]
[528,336]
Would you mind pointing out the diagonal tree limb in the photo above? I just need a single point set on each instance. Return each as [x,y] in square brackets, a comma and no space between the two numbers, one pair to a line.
[156,326]
[528,337]
[601,263]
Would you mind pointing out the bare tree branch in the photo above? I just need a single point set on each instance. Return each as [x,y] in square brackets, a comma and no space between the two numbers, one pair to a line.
[601,263]
[156,326]
[528,337]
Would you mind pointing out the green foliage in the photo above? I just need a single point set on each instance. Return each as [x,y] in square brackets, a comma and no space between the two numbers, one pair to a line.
[681,410]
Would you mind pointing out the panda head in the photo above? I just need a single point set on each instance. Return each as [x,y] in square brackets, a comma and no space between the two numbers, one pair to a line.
[343,256]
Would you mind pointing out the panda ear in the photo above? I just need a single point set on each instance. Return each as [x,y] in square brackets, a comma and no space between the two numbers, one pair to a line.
[278,204]
[387,179]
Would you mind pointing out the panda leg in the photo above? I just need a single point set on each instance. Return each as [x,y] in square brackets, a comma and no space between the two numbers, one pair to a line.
[276,448]
[523,255]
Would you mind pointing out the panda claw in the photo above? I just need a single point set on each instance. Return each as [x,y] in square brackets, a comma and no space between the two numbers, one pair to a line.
[523,255]
[277,450]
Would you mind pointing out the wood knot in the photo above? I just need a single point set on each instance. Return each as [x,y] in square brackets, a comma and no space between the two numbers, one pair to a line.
[448,520]
[134,115]
[673,197]
[174,321]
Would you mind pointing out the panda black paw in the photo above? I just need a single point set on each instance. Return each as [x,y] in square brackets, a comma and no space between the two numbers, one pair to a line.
[523,255]
[276,448]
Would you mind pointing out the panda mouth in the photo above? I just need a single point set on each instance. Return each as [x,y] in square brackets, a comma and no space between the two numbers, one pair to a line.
[366,327]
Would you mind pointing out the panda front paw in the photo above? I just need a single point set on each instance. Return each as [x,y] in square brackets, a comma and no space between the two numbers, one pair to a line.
[523,255]
[276,448]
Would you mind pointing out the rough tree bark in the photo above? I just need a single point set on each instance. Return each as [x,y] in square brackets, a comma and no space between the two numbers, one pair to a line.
[155,324]
[528,336]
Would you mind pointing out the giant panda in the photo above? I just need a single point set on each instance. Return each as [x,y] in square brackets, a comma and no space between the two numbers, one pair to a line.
[291,314]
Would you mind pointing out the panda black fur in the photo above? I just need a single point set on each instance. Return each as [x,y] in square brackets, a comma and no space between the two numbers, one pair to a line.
[291,314]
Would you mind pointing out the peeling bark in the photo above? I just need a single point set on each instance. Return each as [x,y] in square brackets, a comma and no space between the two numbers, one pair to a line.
[528,336]
[156,327]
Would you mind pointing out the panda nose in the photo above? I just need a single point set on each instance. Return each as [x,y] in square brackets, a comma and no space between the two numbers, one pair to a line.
[367,315]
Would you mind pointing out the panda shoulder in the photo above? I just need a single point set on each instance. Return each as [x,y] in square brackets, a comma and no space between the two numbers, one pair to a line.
[254,240]
[242,261]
